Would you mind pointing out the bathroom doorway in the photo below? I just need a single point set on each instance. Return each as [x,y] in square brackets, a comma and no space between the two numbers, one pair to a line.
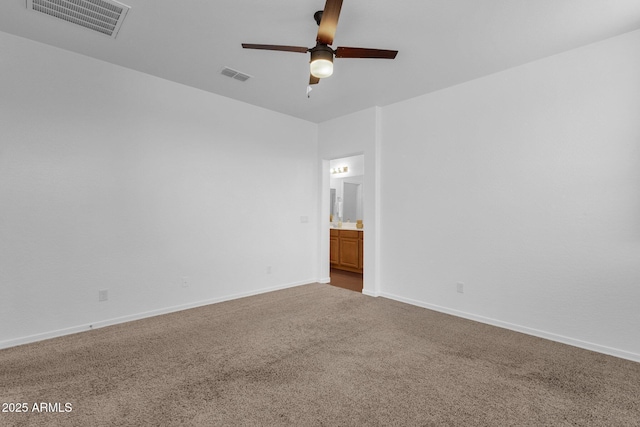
[346,212]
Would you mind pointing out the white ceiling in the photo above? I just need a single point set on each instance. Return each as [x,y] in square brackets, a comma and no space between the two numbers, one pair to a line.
[440,42]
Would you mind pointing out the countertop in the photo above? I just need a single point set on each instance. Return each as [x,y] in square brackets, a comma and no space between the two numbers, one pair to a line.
[346,226]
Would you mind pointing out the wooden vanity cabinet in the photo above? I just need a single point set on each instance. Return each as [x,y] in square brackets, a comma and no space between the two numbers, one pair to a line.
[346,250]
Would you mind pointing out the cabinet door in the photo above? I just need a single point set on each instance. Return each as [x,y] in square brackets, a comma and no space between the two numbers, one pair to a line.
[334,250]
[361,252]
[349,252]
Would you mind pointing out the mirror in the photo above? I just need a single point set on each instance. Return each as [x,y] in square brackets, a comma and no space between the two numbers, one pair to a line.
[346,186]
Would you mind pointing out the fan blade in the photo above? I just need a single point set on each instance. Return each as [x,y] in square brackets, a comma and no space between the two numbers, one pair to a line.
[313,80]
[329,22]
[360,52]
[299,49]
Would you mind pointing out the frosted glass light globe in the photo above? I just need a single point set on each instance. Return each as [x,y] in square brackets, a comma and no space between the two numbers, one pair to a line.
[321,68]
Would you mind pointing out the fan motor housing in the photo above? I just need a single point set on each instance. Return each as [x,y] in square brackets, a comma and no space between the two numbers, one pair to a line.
[321,51]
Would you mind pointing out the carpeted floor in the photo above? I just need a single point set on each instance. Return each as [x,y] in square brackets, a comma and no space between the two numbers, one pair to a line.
[310,356]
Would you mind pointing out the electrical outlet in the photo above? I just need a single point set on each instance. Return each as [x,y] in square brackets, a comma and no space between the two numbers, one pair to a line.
[460,287]
[103,295]
[185,282]
[304,219]
[269,269]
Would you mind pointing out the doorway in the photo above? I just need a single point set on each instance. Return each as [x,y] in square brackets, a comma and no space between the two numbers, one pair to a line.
[346,237]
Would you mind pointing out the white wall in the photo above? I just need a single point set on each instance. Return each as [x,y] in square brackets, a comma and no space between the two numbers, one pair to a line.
[524,186]
[113,179]
[346,136]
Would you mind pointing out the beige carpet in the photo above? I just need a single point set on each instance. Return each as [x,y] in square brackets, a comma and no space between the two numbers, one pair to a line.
[315,355]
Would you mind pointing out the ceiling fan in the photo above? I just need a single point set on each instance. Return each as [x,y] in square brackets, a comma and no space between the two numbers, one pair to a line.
[321,63]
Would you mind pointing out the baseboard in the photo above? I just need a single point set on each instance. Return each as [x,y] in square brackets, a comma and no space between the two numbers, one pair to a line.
[370,293]
[129,318]
[518,328]
[325,280]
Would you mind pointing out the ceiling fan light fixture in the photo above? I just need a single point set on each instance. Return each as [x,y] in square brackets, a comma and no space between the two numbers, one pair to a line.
[321,61]
[321,68]
[321,65]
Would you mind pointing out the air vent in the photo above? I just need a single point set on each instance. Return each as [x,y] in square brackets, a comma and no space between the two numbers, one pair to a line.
[103,16]
[235,74]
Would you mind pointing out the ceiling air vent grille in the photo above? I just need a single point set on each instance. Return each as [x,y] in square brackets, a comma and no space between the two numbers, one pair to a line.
[103,16]
[235,74]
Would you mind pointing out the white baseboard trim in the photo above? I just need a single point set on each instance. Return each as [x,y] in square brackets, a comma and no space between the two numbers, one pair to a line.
[518,328]
[325,280]
[370,293]
[129,318]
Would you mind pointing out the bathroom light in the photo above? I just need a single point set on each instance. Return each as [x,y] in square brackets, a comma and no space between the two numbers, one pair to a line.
[341,169]
[321,65]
